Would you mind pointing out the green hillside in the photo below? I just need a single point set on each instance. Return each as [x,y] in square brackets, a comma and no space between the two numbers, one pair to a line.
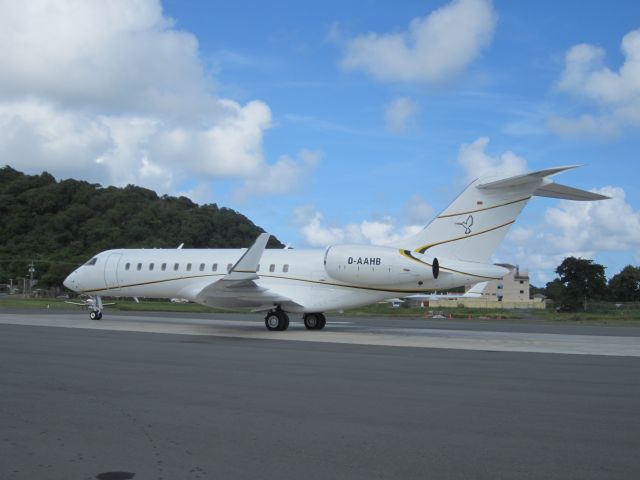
[60,224]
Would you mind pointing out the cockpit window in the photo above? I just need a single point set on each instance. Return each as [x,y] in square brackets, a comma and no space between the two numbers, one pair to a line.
[92,261]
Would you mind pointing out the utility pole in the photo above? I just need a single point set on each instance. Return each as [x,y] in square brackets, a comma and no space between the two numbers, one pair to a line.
[31,271]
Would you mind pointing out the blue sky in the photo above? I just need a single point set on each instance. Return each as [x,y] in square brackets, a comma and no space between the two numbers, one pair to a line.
[337,122]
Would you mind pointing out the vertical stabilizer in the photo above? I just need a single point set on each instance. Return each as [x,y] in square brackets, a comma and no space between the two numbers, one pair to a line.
[474,224]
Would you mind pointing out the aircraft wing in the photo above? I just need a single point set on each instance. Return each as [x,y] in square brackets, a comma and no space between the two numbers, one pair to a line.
[240,284]
[88,303]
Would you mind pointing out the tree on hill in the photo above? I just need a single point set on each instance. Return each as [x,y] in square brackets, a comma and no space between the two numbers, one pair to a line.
[61,224]
[625,286]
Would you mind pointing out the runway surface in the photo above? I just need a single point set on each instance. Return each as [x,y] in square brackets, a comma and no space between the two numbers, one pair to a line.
[182,397]
[418,333]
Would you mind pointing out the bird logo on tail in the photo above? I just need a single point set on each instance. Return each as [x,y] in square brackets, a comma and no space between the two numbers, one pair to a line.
[466,224]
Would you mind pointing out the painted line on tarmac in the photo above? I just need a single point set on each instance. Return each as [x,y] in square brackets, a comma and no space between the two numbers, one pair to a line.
[392,337]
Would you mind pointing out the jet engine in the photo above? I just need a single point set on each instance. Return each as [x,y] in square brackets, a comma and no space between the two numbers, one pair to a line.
[377,266]
[397,268]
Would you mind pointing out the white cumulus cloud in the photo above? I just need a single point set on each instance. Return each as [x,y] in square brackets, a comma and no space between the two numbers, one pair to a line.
[284,175]
[614,94]
[398,113]
[580,229]
[113,92]
[433,49]
[476,162]
[385,230]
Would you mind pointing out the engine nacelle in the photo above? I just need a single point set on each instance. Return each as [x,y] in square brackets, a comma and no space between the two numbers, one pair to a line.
[378,266]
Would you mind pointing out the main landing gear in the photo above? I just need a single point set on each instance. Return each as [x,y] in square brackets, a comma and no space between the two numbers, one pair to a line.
[314,321]
[95,315]
[278,320]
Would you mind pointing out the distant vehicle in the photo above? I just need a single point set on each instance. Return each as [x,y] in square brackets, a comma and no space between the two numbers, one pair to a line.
[564,308]
[452,251]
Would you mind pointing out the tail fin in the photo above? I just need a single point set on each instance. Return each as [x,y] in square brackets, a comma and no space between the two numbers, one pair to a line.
[474,224]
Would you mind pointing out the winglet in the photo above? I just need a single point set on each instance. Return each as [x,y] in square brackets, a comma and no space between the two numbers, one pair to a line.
[247,266]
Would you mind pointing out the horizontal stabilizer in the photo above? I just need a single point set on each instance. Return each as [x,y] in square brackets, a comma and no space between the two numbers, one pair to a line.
[556,190]
[524,178]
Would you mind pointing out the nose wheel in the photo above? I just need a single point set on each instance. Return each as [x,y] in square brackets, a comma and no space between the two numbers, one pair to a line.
[314,321]
[276,320]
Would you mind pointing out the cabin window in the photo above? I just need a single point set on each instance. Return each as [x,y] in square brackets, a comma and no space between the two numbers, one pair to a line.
[176,266]
[229,267]
[272,267]
[92,261]
[202,267]
[163,267]
[188,267]
[127,265]
[139,266]
[214,268]
[151,265]
[521,291]
[285,268]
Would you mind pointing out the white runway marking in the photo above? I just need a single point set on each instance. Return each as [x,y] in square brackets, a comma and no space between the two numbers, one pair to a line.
[383,336]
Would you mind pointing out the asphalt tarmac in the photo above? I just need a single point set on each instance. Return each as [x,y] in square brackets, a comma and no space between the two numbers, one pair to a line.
[186,397]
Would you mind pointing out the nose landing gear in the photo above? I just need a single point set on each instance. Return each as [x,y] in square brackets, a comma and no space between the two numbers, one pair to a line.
[96,307]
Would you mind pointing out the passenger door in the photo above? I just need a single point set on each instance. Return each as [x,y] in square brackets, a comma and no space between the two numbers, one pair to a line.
[111,271]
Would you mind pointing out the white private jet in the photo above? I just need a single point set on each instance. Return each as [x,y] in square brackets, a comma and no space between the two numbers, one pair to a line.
[453,250]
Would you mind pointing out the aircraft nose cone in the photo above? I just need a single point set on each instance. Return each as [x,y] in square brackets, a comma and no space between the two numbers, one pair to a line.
[70,282]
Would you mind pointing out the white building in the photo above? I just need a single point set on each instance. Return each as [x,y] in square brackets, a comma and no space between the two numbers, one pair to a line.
[513,287]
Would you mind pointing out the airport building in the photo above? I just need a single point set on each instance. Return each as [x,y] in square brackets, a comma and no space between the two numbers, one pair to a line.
[513,287]
[511,291]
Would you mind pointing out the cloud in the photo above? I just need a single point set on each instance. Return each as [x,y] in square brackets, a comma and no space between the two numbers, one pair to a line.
[110,55]
[283,176]
[476,162]
[434,49]
[608,225]
[383,231]
[614,94]
[419,211]
[580,229]
[112,92]
[398,113]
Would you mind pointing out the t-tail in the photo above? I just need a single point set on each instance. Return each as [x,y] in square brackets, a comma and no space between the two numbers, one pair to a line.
[473,225]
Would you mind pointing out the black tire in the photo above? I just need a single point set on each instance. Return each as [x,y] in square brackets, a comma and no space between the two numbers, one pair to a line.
[93,315]
[323,321]
[312,321]
[99,315]
[276,321]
